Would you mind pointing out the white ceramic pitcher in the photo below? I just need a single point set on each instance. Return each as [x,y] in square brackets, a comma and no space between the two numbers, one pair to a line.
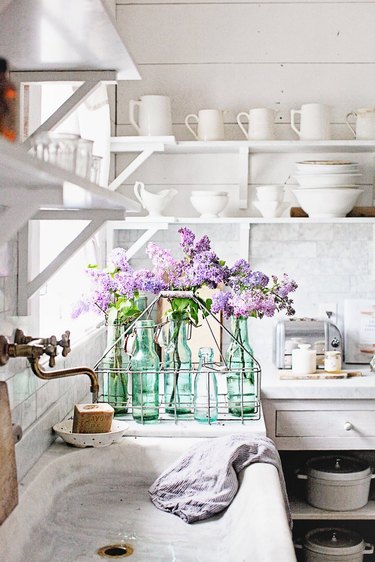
[210,124]
[314,121]
[365,123]
[154,203]
[154,115]
[260,123]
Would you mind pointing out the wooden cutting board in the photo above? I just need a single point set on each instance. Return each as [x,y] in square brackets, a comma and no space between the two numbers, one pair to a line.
[287,375]
[355,212]
[8,469]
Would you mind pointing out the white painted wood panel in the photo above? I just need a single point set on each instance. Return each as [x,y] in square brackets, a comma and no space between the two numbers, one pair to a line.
[337,2]
[239,87]
[217,33]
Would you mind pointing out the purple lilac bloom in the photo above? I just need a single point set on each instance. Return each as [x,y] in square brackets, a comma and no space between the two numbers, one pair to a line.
[124,283]
[145,280]
[119,259]
[187,238]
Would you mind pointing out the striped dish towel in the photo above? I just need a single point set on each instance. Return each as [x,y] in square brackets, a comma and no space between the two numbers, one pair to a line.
[203,481]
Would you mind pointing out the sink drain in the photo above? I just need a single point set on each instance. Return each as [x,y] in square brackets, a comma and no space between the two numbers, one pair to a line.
[115,550]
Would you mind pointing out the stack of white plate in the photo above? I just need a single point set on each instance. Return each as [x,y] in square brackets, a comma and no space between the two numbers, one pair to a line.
[328,188]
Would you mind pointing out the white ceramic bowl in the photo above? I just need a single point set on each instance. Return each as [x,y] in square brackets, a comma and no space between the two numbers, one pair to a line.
[270,192]
[327,203]
[271,209]
[326,180]
[326,167]
[209,203]
[64,430]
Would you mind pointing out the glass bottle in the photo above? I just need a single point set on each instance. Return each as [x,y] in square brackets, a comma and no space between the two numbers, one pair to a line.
[115,369]
[205,388]
[8,104]
[177,362]
[144,365]
[240,364]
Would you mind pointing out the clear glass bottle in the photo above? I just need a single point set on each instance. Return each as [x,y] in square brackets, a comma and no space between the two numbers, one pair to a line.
[115,366]
[177,362]
[240,364]
[205,388]
[8,104]
[144,365]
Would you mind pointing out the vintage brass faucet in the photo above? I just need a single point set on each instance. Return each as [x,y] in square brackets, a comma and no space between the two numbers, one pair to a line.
[22,347]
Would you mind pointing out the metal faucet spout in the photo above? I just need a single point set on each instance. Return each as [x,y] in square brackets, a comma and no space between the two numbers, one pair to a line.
[39,372]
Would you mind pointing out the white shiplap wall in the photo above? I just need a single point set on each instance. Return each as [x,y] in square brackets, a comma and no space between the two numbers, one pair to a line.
[239,55]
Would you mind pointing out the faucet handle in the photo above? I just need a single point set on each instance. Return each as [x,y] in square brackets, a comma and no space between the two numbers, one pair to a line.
[65,343]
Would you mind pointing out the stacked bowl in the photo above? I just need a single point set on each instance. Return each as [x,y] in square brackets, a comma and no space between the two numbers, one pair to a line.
[327,188]
[270,201]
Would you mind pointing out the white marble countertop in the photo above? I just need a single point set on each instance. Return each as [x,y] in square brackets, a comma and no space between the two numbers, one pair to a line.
[355,388]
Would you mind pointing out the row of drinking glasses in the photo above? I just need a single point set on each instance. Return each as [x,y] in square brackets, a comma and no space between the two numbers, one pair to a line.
[67,151]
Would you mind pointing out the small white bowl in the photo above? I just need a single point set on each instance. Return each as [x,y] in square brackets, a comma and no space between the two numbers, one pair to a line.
[270,192]
[326,180]
[64,430]
[209,203]
[327,203]
[271,209]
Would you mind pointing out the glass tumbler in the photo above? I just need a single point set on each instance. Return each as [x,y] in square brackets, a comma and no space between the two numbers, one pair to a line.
[84,157]
[59,149]
[96,162]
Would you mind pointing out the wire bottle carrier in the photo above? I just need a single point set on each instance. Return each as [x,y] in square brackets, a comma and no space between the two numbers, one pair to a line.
[247,408]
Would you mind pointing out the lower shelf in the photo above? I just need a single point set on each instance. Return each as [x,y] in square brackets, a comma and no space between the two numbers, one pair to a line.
[302,511]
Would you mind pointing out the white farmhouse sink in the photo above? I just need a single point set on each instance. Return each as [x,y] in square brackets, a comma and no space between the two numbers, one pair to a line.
[75,501]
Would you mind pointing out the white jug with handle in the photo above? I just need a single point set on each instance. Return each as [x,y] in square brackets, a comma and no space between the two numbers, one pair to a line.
[314,121]
[154,203]
[154,115]
[365,124]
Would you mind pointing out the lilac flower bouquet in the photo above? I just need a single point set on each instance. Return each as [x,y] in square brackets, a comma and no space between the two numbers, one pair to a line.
[253,294]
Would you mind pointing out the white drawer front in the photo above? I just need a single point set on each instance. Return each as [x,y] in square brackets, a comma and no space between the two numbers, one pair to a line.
[322,423]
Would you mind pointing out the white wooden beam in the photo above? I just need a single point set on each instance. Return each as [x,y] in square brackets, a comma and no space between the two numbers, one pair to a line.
[243,163]
[62,76]
[64,255]
[21,206]
[65,109]
[126,172]
[245,240]
[142,240]
[79,214]
[111,226]
[23,269]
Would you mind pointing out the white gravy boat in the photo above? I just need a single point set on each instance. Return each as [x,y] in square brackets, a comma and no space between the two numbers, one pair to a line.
[154,203]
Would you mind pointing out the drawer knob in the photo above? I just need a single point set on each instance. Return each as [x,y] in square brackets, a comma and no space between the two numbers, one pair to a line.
[348,426]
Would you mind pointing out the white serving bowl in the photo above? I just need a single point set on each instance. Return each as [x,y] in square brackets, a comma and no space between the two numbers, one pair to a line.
[326,180]
[64,430]
[209,203]
[327,203]
[326,167]
[271,209]
[270,192]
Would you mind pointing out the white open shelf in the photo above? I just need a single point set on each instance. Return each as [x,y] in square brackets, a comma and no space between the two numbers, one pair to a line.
[245,220]
[28,185]
[169,145]
[302,511]
[63,35]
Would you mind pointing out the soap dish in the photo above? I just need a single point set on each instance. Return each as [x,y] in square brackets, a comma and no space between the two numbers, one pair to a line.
[64,430]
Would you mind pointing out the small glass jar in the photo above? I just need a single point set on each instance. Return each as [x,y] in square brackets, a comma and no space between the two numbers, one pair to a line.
[332,361]
[84,158]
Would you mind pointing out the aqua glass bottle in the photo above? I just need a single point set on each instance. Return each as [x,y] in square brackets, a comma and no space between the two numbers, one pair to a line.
[205,388]
[144,365]
[240,377]
[177,363]
[114,367]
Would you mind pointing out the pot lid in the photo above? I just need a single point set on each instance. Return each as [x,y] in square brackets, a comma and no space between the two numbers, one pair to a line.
[336,467]
[334,541]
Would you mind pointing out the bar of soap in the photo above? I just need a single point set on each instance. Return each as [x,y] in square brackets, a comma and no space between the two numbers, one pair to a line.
[92,418]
